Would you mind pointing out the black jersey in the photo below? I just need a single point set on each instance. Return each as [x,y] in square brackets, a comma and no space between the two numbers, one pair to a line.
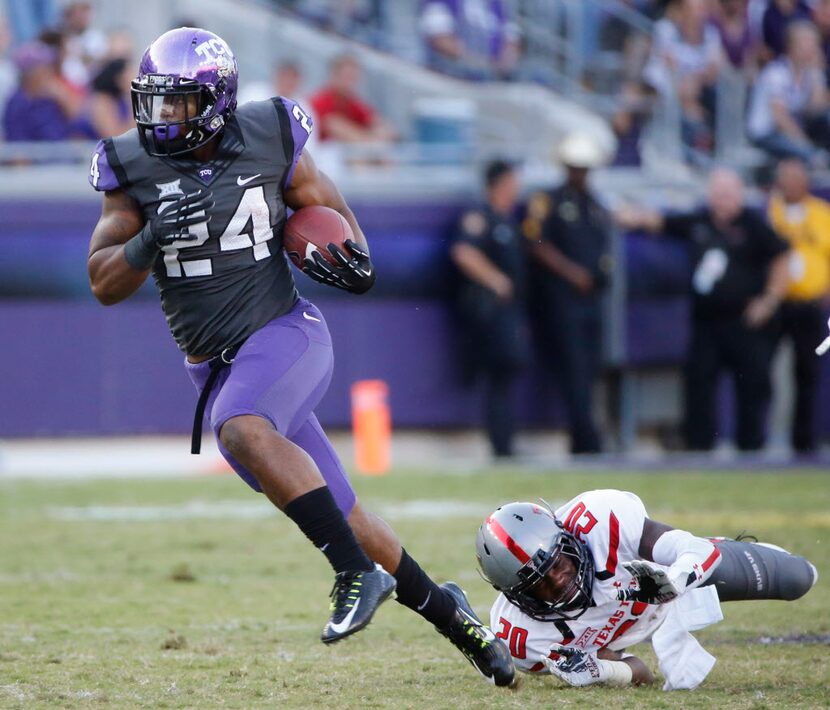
[731,262]
[233,278]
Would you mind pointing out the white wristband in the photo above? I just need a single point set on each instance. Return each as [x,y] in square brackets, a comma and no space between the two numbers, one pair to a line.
[615,672]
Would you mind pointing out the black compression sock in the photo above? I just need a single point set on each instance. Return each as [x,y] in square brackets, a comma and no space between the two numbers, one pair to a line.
[318,516]
[418,592]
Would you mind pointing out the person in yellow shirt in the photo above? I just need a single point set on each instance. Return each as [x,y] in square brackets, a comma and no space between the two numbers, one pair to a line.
[803,220]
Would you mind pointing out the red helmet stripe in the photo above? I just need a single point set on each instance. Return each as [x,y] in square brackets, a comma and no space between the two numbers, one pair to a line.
[505,539]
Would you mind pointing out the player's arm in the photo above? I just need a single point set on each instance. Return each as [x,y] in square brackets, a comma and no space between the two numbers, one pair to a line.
[111,278]
[124,247]
[640,672]
[690,560]
[579,669]
[310,186]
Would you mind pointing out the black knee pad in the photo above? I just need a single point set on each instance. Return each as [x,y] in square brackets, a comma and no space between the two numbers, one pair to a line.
[749,570]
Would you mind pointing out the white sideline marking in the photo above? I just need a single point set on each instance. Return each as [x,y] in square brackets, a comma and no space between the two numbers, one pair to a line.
[85,459]
[192,510]
[429,509]
[257,509]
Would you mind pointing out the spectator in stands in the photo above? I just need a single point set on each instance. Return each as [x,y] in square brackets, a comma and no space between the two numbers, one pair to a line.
[28,18]
[341,114]
[8,72]
[804,221]
[357,19]
[470,39]
[86,45]
[635,98]
[286,80]
[76,91]
[739,280]
[120,44]
[635,105]
[618,35]
[110,108]
[568,234]
[777,18]
[821,19]
[685,62]
[788,111]
[40,107]
[487,250]
[740,43]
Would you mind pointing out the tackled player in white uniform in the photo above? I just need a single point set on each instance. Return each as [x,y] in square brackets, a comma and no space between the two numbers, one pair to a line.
[597,576]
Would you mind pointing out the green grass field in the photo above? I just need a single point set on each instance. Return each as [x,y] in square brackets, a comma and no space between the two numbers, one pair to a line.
[188,593]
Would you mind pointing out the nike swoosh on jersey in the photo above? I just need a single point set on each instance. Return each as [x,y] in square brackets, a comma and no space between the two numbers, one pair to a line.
[244,181]
[344,625]
[316,320]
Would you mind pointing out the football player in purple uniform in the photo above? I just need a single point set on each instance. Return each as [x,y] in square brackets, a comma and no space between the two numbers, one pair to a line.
[197,195]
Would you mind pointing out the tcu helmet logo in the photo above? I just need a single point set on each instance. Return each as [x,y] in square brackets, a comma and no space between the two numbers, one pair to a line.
[224,66]
[212,48]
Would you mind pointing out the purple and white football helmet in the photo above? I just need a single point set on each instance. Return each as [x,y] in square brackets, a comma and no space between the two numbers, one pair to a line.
[185,91]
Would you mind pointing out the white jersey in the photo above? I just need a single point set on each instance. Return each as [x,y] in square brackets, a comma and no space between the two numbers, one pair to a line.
[610,523]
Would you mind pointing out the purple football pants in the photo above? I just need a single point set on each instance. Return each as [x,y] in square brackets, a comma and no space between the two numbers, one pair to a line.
[280,374]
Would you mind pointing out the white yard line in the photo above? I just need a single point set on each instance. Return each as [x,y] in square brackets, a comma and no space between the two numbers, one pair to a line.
[419,509]
[456,453]
[145,457]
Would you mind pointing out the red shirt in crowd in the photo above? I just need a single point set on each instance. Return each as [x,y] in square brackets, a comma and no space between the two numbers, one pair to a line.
[327,102]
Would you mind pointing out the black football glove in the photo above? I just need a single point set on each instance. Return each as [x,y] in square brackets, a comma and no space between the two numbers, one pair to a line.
[355,274]
[166,227]
[654,586]
[175,217]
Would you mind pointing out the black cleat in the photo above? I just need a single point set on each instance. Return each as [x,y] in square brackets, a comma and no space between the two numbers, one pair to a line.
[477,642]
[354,599]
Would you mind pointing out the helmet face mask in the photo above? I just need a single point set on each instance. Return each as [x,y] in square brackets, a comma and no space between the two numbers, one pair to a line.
[185,91]
[518,545]
[573,601]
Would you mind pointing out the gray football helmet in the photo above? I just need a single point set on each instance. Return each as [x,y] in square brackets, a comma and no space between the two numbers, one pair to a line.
[518,544]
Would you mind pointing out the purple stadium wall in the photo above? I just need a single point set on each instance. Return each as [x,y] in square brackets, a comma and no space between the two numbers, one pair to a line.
[72,367]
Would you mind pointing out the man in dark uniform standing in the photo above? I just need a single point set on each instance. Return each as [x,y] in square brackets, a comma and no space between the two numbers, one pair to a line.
[488,252]
[739,280]
[568,233]
[198,195]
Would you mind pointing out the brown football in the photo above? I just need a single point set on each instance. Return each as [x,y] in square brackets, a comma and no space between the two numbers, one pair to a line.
[311,229]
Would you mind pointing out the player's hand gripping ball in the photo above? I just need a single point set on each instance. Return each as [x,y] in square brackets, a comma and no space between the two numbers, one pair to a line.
[320,242]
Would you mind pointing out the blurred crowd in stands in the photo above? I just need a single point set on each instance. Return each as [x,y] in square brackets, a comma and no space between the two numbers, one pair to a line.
[62,77]
[780,48]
